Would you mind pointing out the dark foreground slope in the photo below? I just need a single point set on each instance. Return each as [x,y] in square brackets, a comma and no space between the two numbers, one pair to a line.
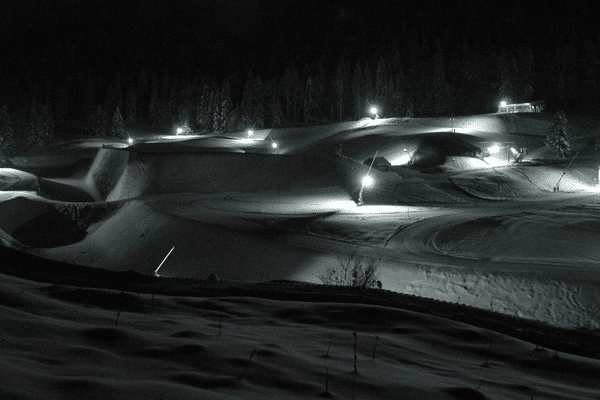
[78,284]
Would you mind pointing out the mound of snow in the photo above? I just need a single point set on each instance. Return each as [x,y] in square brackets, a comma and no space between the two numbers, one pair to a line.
[496,184]
[14,179]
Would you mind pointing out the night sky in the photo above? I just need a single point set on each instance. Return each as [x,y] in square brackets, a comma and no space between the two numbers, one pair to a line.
[417,58]
[62,36]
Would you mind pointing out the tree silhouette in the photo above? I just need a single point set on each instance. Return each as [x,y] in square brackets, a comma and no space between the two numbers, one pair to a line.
[117,130]
[7,138]
[558,140]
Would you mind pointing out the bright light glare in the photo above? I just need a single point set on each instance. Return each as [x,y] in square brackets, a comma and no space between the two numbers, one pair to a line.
[274,145]
[250,132]
[494,149]
[246,140]
[130,140]
[502,104]
[373,110]
[367,181]
[179,131]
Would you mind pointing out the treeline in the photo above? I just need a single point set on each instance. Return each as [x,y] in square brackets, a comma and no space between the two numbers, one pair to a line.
[417,79]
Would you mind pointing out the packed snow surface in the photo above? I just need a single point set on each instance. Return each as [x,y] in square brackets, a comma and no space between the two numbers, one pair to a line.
[466,229]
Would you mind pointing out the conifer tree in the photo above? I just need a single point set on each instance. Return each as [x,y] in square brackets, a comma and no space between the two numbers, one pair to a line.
[357,91]
[439,83]
[47,123]
[62,105]
[98,122]
[154,102]
[131,104]
[558,140]
[368,91]
[204,110]
[34,127]
[340,88]
[275,111]
[245,117]
[226,105]
[7,139]
[117,130]
[258,109]
[216,112]
[506,78]
[310,104]
[319,84]
[381,84]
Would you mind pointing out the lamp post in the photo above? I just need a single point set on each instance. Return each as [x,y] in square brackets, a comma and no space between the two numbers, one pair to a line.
[409,156]
[374,111]
[366,181]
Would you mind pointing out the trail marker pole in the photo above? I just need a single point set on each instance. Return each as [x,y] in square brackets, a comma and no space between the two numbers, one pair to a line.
[163,261]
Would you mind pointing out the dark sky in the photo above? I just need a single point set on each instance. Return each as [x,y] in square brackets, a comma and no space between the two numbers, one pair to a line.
[62,36]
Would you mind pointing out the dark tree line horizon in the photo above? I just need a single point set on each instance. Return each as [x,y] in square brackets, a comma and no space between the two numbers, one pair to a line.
[414,77]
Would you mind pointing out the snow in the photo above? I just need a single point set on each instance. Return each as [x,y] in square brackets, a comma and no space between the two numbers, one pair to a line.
[499,239]
[123,345]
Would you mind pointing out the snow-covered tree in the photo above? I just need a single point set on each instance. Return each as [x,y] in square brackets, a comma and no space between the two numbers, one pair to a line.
[7,138]
[558,140]
[310,104]
[225,106]
[216,112]
[117,130]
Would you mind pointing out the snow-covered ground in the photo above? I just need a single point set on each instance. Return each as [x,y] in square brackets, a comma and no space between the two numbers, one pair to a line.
[468,231]
[123,345]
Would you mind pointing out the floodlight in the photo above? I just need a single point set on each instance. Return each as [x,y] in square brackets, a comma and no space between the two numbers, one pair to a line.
[250,132]
[494,149]
[274,145]
[130,140]
[373,110]
[179,130]
[367,181]
[502,104]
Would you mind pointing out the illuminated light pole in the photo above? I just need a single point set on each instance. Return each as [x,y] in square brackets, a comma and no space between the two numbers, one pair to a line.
[374,111]
[273,143]
[409,156]
[557,187]
[367,181]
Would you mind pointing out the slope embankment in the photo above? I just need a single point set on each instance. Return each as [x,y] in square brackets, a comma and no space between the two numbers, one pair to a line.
[151,174]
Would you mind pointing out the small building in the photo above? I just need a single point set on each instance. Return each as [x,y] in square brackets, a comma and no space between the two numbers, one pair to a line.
[532,107]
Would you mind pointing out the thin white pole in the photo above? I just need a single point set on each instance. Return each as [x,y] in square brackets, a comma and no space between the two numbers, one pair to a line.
[163,261]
